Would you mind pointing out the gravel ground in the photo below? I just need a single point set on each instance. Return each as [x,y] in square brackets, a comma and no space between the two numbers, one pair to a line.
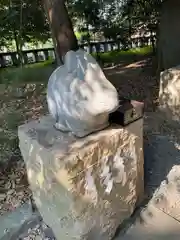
[37,231]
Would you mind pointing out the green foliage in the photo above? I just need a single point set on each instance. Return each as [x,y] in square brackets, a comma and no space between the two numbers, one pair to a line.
[116,33]
[103,16]
[25,21]
[117,19]
[118,56]
[143,13]
[83,36]
[86,12]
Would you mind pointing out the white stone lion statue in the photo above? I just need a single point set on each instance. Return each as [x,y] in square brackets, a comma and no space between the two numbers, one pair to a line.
[79,96]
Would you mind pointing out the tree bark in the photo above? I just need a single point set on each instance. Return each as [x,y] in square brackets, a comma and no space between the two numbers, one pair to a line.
[61,27]
[18,36]
[169,44]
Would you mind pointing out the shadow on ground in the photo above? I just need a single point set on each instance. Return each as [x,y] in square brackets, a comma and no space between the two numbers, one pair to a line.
[161,149]
[137,81]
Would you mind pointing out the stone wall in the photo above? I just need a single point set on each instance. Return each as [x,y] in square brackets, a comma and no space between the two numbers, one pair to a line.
[84,188]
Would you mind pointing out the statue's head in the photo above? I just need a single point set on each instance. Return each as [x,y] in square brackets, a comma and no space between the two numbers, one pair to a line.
[80,93]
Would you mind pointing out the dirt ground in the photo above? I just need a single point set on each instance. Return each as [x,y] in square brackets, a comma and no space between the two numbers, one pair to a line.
[24,102]
[136,81]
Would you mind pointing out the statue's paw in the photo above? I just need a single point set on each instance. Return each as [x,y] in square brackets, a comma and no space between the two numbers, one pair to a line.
[61,127]
[85,133]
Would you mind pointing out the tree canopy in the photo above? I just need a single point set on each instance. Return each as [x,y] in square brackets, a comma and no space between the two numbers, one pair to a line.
[25,21]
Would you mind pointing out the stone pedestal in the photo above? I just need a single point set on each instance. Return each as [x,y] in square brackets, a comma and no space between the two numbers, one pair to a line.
[84,188]
[169,94]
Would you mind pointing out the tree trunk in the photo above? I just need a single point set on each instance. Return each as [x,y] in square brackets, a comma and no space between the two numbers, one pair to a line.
[169,44]
[58,58]
[18,48]
[18,36]
[61,27]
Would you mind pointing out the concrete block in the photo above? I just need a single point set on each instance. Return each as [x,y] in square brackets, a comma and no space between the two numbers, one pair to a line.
[169,94]
[84,188]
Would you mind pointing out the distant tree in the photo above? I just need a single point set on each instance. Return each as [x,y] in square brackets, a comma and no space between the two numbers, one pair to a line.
[144,14]
[87,12]
[23,21]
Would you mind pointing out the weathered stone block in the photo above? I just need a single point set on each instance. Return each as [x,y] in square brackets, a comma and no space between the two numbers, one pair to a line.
[167,196]
[169,94]
[84,188]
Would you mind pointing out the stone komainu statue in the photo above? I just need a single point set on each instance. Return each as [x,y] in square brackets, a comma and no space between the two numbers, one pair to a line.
[79,96]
